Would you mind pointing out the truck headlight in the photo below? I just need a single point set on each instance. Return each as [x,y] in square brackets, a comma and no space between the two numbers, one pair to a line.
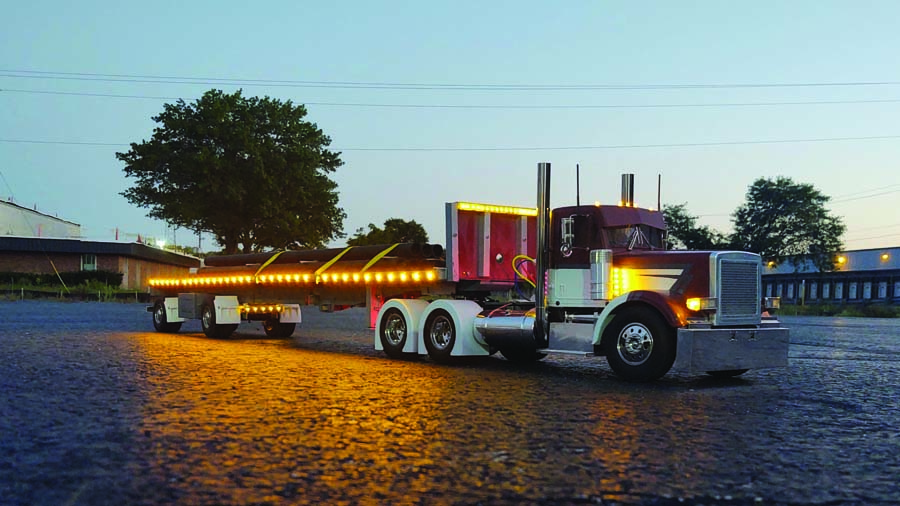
[701,304]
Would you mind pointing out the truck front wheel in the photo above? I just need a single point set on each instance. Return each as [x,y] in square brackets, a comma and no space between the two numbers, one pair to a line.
[209,325]
[160,321]
[440,335]
[639,345]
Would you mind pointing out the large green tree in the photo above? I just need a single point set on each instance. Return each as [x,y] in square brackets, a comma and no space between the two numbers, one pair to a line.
[249,170]
[683,232]
[395,230]
[786,221]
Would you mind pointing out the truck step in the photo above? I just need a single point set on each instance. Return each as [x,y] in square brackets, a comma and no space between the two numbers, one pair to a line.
[570,352]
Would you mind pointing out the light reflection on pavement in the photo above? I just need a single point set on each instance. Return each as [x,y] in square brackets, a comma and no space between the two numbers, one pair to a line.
[324,419]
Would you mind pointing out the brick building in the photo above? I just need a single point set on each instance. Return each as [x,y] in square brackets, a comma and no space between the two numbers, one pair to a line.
[137,262]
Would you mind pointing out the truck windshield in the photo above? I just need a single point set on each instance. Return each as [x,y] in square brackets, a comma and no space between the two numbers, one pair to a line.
[635,236]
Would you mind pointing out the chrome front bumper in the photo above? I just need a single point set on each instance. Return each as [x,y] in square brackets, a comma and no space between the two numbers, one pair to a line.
[706,349]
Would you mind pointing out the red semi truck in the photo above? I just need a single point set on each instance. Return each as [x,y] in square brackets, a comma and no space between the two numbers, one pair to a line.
[588,279]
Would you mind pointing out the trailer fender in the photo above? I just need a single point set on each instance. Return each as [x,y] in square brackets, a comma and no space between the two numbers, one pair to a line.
[654,300]
[171,305]
[290,313]
[463,314]
[228,309]
[411,311]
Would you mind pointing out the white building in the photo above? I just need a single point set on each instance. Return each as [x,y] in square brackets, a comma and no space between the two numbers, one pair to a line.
[20,221]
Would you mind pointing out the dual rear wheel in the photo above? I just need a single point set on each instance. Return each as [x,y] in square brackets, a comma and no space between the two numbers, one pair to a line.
[440,334]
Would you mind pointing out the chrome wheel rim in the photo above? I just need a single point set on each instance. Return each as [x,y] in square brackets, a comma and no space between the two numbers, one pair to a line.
[159,315]
[207,318]
[395,329]
[635,344]
[441,332]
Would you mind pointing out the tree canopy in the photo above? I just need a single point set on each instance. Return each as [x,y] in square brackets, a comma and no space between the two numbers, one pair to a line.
[395,230]
[249,170]
[781,220]
[787,221]
[685,233]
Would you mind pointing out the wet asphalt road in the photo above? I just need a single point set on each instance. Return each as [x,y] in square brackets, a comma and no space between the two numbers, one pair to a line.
[96,408]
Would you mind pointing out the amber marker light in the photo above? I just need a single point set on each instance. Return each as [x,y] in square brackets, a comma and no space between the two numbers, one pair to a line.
[429,275]
[345,277]
[416,276]
[489,208]
[367,277]
[403,277]
[378,277]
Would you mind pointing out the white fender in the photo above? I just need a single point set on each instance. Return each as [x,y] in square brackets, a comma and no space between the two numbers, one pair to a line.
[606,316]
[463,313]
[290,313]
[412,310]
[171,305]
[227,308]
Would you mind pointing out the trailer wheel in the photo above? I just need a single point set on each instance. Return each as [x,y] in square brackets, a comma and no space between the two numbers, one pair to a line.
[209,325]
[639,345]
[160,323]
[393,331]
[276,329]
[440,335]
[730,373]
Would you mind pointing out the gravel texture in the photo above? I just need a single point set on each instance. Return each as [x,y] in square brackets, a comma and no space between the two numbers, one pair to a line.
[96,408]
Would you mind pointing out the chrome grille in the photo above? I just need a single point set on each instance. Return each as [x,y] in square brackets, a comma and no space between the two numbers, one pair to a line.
[739,295]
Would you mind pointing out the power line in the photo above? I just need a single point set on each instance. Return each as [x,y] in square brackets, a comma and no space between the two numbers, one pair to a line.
[527,148]
[633,146]
[494,106]
[842,201]
[164,79]
[65,143]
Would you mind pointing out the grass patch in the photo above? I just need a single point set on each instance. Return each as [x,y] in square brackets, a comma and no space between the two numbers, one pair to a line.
[862,310]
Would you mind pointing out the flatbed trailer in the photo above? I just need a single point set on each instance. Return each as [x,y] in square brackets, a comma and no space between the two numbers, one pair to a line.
[587,279]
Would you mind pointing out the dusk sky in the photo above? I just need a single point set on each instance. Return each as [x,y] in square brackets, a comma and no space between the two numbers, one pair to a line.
[434,102]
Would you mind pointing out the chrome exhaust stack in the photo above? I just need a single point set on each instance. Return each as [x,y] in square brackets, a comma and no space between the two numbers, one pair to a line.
[541,327]
[627,190]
